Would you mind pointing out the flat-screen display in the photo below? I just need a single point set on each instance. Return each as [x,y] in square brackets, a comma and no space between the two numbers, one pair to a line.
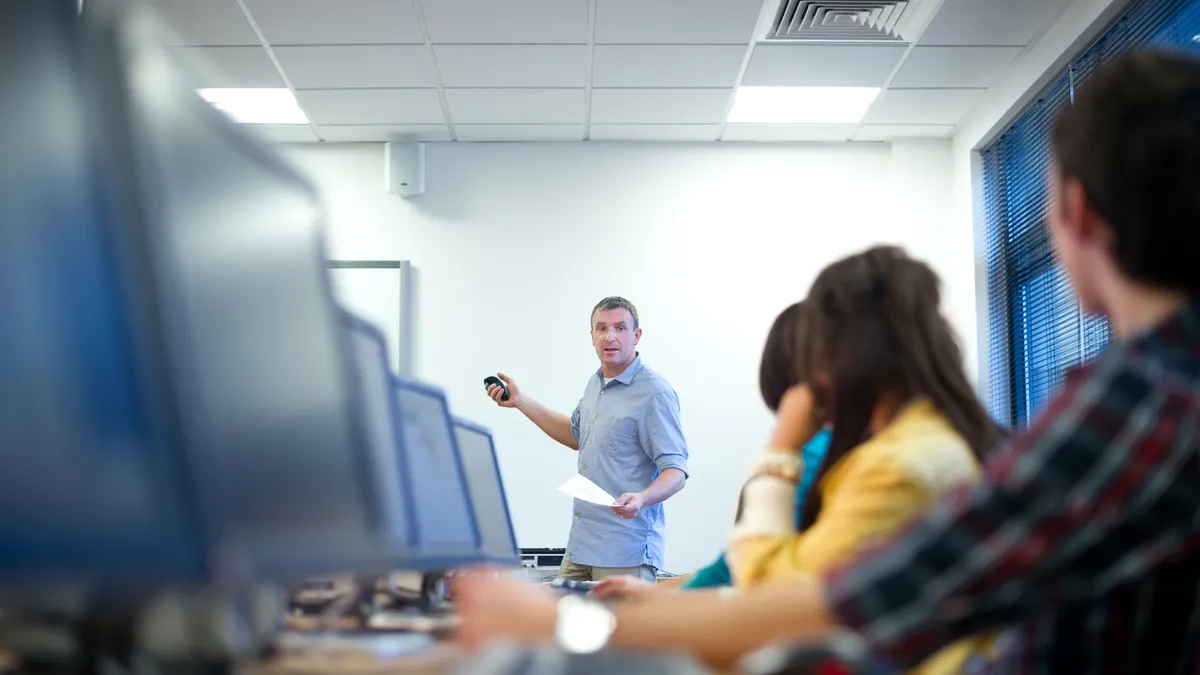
[445,519]
[486,485]
[91,484]
[384,439]
[175,388]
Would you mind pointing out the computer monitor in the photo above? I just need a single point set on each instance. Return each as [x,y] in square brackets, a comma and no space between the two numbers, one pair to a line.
[498,541]
[177,397]
[447,534]
[264,370]
[93,487]
[379,409]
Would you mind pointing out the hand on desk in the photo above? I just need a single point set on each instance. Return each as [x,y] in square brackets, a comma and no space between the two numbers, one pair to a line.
[625,588]
[502,607]
[628,505]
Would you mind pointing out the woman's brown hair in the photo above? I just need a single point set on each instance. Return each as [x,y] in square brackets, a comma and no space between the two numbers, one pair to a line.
[875,328]
[780,368]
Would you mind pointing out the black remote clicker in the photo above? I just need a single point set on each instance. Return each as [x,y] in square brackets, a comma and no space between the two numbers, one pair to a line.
[492,379]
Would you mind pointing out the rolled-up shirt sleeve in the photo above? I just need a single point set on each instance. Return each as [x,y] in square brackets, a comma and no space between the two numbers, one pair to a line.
[662,433]
[575,418]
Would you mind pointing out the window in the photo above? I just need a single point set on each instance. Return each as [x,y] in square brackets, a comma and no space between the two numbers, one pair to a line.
[1037,331]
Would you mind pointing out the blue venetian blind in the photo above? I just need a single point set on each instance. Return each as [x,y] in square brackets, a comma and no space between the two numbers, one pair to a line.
[1037,331]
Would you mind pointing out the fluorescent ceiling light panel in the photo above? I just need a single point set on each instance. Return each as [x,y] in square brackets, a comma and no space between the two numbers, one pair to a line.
[801,105]
[256,106]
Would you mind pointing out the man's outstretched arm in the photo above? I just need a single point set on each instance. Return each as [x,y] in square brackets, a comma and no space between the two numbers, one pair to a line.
[561,428]
[556,425]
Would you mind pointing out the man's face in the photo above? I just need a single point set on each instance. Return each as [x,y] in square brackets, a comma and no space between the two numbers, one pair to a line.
[1072,234]
[614,337]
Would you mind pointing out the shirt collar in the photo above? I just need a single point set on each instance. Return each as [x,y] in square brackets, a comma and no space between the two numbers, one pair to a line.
[1179,333]
[627,375]
[1180,330]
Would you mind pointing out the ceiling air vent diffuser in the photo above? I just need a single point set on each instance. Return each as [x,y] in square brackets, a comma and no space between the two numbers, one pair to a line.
[839,20]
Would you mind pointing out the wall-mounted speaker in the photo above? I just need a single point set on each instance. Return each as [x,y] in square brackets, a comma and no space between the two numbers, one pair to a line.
[404,168]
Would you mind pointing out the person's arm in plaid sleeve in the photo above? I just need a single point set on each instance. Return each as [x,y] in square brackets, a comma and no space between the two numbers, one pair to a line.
[1100,490]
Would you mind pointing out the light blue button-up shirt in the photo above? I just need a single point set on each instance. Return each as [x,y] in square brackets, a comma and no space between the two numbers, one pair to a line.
[628,432]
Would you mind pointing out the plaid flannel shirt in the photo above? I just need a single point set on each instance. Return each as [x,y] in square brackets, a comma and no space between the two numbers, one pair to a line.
[1082,539]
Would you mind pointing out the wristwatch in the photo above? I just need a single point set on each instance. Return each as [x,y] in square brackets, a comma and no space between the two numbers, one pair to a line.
[583,626]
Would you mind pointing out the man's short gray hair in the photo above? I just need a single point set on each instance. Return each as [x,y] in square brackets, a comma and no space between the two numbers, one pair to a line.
[615,302]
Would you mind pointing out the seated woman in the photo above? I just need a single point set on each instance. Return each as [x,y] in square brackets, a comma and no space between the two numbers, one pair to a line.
[906,429]
[779,370]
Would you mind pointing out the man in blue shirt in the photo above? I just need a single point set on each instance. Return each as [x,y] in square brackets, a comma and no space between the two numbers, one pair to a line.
[627,432]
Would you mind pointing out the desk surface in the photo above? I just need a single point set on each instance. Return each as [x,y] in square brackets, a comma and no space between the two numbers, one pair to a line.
[318,646]
[442,658]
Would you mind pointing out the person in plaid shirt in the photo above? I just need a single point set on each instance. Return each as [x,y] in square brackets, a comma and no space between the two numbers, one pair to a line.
[1082,540]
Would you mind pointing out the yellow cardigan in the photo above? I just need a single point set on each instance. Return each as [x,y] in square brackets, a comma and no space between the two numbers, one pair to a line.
[871,492]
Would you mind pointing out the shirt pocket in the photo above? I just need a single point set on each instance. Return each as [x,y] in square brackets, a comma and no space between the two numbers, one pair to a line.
[622,436]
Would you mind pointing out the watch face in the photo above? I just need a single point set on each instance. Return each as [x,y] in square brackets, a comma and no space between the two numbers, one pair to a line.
[583,627]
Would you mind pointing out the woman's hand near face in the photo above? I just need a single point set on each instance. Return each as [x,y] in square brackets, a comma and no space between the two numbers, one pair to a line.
[798,419]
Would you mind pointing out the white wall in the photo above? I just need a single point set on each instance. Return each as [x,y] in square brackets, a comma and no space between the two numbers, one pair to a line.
[513,243]
[1071,34]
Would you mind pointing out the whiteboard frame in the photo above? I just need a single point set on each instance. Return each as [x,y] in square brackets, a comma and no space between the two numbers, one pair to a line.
[406,333]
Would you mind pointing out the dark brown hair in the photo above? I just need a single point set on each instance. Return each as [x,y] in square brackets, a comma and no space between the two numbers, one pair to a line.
[613,302]
[780,367]
[1132,139]
[875,329]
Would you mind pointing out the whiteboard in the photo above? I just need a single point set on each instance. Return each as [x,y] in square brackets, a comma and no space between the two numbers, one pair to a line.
[380,292]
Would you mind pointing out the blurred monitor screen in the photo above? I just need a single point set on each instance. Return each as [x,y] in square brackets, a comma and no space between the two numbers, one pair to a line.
[482,468]
[446,529]
[383,429]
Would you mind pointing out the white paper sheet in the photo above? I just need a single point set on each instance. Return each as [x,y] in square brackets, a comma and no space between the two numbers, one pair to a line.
[582,488]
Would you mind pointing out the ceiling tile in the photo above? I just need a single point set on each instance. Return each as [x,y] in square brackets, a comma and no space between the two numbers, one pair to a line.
[350,66]
[512,65]
[511,21]
[378,133]
[518,132]
[886,132]
[229,66]
[659,106]
[515,106]
[654,132]
[371,106]
[959,67]
[809,65]
[208,23]
[283,133]
[666,65]
[794,133]
[676,21]
[922,106]
[338,22]
[989,22]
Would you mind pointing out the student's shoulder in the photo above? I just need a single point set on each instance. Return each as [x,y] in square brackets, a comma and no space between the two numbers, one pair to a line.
[1155,377]
[925,449]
